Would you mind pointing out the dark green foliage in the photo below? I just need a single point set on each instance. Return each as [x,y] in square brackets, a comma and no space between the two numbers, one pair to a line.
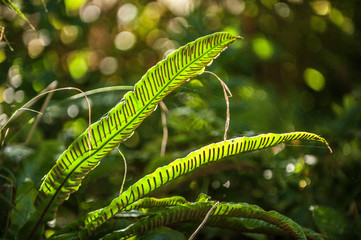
[329,221]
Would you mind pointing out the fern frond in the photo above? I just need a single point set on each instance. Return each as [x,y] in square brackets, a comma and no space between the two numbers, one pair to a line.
[85,153]
[151,202]
[251,225]
[241,217]
[206,155]
[147,202]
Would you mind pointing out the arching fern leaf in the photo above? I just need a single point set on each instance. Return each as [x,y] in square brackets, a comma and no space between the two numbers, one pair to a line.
[206,155]
[86,151]
[241,217]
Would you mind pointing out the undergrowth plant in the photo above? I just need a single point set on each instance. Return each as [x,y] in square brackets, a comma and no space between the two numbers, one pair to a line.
[132,213]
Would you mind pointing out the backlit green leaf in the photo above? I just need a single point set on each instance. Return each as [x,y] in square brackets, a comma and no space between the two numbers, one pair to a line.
[86,151]
[204,156]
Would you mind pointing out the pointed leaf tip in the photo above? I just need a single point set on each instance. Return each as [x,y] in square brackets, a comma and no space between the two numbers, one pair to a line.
[326,143]
[329,148]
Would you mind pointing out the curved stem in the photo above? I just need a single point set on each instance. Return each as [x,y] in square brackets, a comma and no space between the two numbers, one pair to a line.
[204,221]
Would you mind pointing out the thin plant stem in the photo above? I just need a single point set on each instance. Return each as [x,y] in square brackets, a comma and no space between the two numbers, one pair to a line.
[3,36]
[31,102]
[8,43]
[11,5]
[52,86]
[104,89]
[2,33]
[34,99]
[225,91]
[6,133]
[164,111]
[204,221]
[44,5]
[125,172]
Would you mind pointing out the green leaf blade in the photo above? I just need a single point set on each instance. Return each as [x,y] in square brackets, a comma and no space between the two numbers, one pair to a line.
[202,156]
[241,216]
[329,221]
[85,153]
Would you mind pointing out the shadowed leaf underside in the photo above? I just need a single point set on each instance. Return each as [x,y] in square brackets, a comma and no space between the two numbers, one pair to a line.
[241,217]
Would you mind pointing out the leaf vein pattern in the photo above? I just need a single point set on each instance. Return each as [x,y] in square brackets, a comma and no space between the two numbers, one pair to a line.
[207,154]
[133,104]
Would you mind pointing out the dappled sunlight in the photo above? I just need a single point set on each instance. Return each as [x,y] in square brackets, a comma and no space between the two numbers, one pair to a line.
[295,68]
[73,111]
[262,48]
[282,9]
[69,34]
[124,40]
[72,6]
[290,168]
[108,65]
[90,13]
[314,79]
[235,7]
[180,7]
[36,41]
[321,7]
[9,95]
[126,13]
[267,174]
[77,65]
[177,26]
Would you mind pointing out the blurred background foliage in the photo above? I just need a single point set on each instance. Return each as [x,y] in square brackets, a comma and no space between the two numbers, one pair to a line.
[298,68]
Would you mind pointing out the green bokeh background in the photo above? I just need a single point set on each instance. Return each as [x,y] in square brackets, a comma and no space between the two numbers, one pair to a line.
[298,68]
